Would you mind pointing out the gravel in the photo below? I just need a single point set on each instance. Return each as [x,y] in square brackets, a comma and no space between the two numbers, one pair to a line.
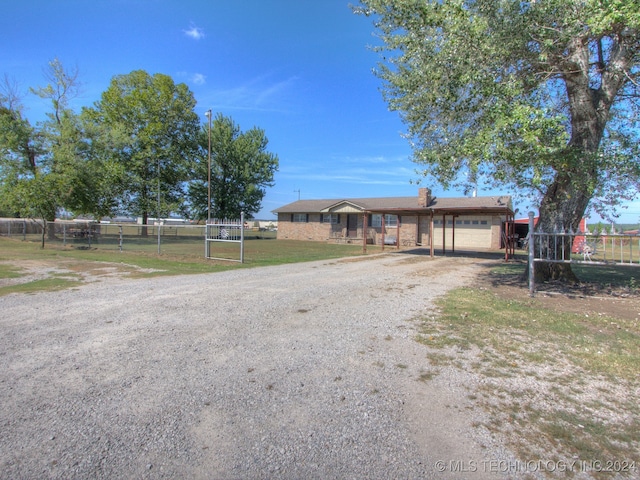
[296,371]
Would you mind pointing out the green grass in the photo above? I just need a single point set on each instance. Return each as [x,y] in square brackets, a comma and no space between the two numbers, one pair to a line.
[600,275]
[9,271]
[477,317]
[177,257]
[604,276]
[45,284]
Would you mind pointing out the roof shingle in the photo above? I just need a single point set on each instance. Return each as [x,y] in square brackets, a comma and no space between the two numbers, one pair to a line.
[382,204]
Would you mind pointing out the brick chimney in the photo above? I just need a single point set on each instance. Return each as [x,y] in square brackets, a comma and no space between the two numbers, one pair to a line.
[424,197]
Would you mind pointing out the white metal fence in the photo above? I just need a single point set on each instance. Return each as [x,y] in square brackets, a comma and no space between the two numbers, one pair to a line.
[587,248]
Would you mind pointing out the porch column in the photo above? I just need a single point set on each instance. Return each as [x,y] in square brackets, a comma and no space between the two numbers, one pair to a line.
[510,247]
[453,233]
[364,232]
[444,233]
[431,235]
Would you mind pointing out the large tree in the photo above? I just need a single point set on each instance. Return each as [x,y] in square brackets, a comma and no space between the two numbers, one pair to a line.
[241,169]
[38,164]
[28,189]
[156,126]
[539,95]
[58,163]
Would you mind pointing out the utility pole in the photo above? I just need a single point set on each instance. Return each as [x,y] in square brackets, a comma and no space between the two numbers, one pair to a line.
[208,114]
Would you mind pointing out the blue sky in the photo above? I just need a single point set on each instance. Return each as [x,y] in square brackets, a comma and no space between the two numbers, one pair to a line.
[299,69]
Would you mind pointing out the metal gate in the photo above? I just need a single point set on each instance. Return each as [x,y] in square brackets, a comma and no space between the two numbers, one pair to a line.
[225,231]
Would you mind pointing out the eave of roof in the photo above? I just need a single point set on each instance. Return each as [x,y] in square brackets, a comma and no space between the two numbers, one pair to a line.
[407,205]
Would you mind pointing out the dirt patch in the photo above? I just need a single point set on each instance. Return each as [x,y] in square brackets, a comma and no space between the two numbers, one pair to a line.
[583,299]
[33,270]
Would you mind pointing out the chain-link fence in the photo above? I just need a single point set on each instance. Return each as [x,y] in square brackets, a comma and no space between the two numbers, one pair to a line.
[183,239]
[165,238]
[19,228]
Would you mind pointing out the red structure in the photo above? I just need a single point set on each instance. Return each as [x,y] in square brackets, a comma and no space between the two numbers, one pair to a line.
[521,230]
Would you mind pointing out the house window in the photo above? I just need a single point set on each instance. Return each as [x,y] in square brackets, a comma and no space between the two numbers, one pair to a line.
[332,218]
[483,222]
[300,218]
[389,220]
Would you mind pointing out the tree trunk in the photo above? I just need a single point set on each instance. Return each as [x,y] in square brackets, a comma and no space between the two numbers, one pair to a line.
[145,219]
[577,174]
[561,211]
[44,231]
[48,228]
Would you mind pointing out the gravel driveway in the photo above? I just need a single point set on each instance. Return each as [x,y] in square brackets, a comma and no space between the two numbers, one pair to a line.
[296,371]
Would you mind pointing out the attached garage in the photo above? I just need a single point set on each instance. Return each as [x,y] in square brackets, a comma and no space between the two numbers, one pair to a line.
[471,231]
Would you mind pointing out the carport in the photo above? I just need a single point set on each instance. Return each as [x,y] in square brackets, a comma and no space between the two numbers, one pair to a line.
[444,212]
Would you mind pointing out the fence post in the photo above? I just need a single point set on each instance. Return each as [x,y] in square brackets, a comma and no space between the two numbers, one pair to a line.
[532,286]
[241,237]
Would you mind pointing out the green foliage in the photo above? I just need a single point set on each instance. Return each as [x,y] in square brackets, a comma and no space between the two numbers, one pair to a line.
[31,181]
[241,168]
[536,95]
[153,123]
[63,86]
[139,151]
[610,15]
[95,181]
[57,164]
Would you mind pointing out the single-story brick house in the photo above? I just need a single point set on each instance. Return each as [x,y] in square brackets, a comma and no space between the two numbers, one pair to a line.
[468,222]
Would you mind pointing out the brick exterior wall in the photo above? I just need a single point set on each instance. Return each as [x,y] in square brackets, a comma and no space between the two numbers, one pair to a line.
[470,231]
[312,229]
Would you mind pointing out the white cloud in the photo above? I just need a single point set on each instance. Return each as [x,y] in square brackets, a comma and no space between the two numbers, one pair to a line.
[195,78]
[274,89]
[258,94]
[364,174]
[194,32]
[198,79]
